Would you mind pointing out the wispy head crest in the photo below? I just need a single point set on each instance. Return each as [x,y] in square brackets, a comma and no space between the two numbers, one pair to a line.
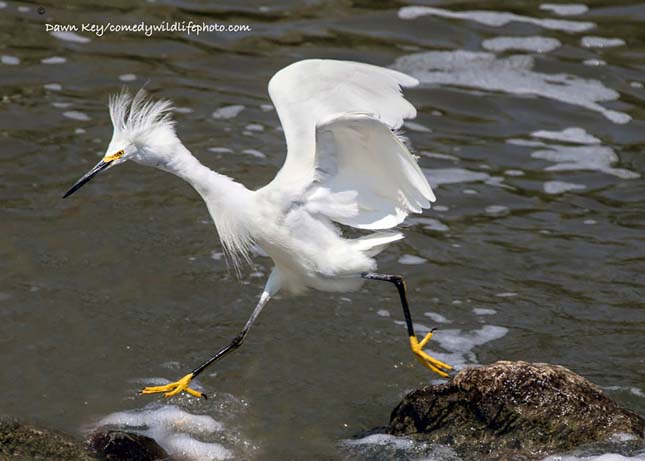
[136,117]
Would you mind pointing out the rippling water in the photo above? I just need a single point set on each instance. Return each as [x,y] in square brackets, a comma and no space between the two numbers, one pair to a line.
[530,127]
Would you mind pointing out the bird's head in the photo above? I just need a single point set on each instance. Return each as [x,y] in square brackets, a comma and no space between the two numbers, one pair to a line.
[143,132]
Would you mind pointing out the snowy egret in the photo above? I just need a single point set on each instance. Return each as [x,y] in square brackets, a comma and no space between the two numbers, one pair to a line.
[344,165]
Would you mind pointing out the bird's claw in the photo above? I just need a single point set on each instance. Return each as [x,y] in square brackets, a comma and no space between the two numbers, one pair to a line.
[435,365]
[175,388]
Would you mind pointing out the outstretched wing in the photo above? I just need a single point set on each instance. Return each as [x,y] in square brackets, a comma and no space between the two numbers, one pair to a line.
[365,177]
[308,92]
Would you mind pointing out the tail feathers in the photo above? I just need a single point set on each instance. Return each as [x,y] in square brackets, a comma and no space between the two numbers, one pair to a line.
[376,242]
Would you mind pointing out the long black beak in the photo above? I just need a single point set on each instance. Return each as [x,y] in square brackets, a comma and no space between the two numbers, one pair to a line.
[90,174]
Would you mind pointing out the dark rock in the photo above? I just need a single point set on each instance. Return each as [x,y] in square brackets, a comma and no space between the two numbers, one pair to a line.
[513,410]
[126,446]
[19,441]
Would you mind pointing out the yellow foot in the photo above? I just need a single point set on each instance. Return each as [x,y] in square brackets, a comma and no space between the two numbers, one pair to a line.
[435,365]
[174,388]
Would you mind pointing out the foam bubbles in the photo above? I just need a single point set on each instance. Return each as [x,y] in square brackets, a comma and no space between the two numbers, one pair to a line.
[513,74]
[535,43]
[560,187]
[589,158]
[53,86]
[127,77]
[254,152]
[601,42]
[565,9]
[227,112]
[461,343]
[430,224]
[497,210]
[9,60]
[605,457]
[438,176]
[76,115]
[412,260]
[173,428]
[70,37]
[573,135]
[482,311]
[53,60]
[494,18]
[437,318]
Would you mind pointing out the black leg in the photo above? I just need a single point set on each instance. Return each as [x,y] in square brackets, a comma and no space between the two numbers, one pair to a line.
[182,384]
[417,347]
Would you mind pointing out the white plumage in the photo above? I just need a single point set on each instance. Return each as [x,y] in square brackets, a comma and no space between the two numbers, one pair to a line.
[344,165]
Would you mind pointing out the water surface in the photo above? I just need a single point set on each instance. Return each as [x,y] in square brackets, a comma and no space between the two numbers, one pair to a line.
[530,128]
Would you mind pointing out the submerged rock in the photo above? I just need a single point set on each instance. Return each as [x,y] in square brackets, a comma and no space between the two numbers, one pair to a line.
[20,441]
[513,410]
[126,446]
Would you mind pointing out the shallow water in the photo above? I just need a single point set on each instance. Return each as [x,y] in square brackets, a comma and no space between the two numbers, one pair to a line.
[530,128]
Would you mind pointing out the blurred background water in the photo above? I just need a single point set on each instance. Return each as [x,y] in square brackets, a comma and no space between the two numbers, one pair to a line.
[530,127]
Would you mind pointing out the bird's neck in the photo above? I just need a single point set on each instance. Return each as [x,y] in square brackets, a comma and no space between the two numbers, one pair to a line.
[215,188]
[228,202]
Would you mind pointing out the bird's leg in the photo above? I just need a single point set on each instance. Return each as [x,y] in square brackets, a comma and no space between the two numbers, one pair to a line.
[417,347]
[182,384]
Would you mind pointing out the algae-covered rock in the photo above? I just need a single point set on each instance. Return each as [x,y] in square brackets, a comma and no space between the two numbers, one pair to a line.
[22,442]
[126,446]
[513,410]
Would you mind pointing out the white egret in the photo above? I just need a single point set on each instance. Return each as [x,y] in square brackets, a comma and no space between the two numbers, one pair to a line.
[344,165]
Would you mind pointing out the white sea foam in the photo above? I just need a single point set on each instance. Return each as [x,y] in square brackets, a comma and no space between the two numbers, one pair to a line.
[513,74]
[254,152]
[605,457]
[227,112]
[76,115]
[386,446]
[53,60]
[127,77]
[412,260]
[594,62]
[565,9]
[590,158]
[601,42]
[460,344]
[9,60]
[513,173]
[70,37]
[560,187]
[439,176]
[437,318]
[535,43]
[497,210]
[383,313]
[254,127]
[430,224]
[506,294]
[494,18]
[483,311]
[174,429]
[53,86]
[573,135]
[220,150]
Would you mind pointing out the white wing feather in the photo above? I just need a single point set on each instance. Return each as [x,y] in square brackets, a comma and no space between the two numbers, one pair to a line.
[360,161]
[307,92]
[338,118]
